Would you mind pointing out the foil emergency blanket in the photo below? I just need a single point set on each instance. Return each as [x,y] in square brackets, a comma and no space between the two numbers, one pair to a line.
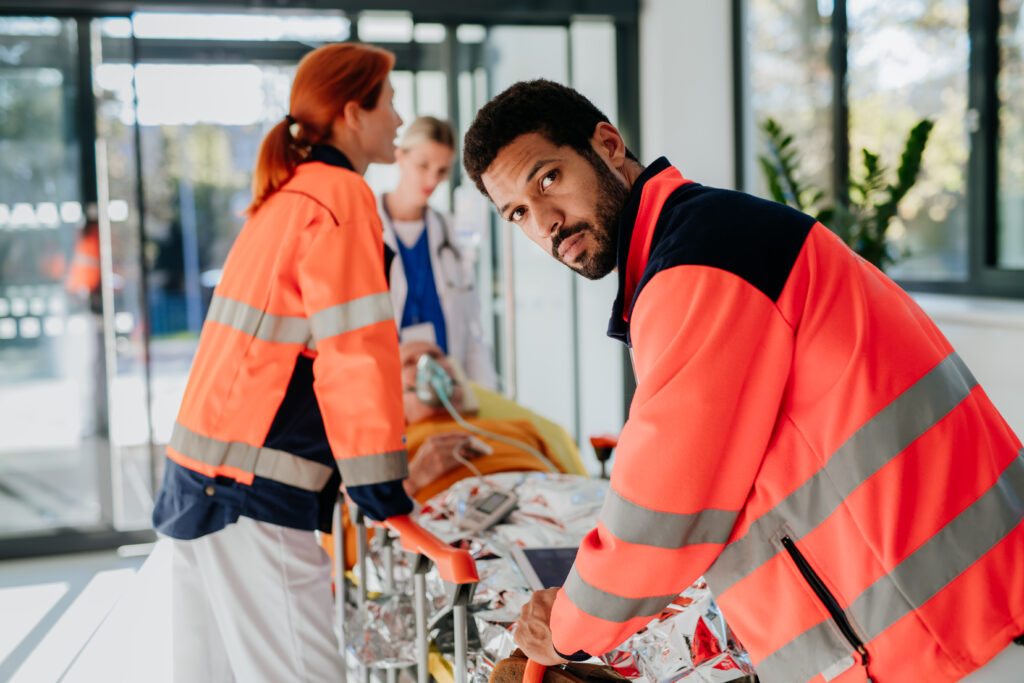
[688,641]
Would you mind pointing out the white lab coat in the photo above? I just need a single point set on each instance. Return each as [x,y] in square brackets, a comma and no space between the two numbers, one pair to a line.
[457,290]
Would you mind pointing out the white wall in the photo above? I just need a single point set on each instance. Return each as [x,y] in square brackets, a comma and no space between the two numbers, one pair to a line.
[989,336]
[686,110]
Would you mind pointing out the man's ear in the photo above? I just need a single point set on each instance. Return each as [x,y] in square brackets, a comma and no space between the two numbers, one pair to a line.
[609,145]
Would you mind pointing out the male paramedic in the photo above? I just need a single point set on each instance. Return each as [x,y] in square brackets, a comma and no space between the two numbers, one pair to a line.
[802,434]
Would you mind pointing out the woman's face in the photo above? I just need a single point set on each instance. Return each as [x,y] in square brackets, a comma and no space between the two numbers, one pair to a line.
[423,167]
[380,126]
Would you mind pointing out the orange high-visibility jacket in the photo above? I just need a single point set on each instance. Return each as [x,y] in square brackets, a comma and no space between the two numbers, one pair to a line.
[84,271]
[297,368]
[804,436]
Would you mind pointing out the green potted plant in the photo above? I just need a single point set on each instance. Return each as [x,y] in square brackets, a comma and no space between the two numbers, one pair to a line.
[863,219]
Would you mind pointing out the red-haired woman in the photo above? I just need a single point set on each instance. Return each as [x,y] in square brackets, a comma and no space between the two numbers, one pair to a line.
[296,378]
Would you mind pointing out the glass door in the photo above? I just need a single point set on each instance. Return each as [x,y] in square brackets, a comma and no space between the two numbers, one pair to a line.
[53,398]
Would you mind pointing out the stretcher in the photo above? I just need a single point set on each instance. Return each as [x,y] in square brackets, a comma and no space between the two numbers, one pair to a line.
[454,566]
[688,639]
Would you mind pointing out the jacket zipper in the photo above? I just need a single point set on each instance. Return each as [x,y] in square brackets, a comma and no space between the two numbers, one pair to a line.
[827,599]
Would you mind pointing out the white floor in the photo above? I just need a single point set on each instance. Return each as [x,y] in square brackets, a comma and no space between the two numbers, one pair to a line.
[84,618]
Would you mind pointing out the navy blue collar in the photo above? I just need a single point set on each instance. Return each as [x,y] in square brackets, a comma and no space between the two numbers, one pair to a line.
[330,155]
[617,327]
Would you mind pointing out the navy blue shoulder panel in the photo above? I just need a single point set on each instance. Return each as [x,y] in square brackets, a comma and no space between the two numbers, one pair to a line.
[298,427]
[753,238]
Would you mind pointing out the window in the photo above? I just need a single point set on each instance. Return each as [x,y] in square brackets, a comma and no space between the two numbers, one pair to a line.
[843,75]
[1010,89]
[908,61]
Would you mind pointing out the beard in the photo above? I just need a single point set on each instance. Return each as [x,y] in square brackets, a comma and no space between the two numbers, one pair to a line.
[612,195]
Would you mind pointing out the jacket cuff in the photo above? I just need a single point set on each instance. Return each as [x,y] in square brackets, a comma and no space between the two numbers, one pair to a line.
[382,500]
[578,656]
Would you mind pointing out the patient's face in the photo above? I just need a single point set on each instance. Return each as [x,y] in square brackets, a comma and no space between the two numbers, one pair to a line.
[415,409]
[566,203]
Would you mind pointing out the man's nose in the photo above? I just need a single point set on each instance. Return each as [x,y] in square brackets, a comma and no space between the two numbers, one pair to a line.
[548,223]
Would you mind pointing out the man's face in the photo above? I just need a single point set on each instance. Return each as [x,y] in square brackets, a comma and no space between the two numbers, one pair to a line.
[566,203]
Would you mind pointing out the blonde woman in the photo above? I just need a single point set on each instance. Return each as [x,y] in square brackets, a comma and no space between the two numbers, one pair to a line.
[433,289]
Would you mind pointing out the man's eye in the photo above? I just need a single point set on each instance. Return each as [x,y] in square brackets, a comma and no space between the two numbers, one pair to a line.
[516,214]
[546,181]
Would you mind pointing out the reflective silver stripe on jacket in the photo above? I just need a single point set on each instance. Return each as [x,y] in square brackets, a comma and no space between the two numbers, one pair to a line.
[633,523]
[268,463]
[361,470]
[874,444]
[608,606]
[351,315]
[284,329]
[911,583]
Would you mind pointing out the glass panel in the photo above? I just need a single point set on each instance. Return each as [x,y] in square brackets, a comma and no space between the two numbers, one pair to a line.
[1010,191]
[131,465]
[544,312]
[386,27]
[908,61]
[600,403]
[319,27]
[789,78]
[53,399]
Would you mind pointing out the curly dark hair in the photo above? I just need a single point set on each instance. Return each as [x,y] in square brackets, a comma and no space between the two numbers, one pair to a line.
[562,115]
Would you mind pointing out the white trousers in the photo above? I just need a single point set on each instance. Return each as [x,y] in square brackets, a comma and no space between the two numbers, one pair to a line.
[252,602]
[1005,667]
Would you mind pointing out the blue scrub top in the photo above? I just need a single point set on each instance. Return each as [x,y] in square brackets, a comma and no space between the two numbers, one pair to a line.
[422,303]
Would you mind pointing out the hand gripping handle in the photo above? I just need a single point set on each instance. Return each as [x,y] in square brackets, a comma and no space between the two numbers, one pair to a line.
[454,565]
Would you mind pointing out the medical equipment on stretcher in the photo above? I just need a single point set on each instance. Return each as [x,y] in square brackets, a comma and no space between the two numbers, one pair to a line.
[486,510]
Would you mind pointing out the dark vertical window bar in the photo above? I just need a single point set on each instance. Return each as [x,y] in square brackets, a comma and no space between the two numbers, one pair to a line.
[739,89]
[155,454]
[840,112]
[983,112]
[627,89]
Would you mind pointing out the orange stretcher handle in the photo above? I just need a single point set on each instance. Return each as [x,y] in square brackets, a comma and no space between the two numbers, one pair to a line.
[534,672]
[604,441]
[454,565]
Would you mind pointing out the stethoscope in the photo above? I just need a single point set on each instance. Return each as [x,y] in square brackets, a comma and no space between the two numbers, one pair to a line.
[446,243]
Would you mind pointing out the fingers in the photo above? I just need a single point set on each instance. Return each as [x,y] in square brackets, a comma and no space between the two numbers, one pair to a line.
[533,630]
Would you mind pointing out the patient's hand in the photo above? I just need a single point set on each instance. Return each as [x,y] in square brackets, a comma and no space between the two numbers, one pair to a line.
[436,457]
[533,630]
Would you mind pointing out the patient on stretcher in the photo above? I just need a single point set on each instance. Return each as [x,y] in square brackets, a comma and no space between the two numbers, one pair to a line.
[438,445]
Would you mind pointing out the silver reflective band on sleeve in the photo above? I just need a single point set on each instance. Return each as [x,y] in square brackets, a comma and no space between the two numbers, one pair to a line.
[878,441]
[268,463]
[608,606]
[634,523]
[362,470]
[351,315]
[912,582]
[284,329]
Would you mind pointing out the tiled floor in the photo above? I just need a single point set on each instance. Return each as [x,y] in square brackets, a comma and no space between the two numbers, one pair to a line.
[83,618]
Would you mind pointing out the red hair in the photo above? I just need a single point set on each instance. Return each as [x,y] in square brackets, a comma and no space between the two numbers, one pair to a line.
[327,79]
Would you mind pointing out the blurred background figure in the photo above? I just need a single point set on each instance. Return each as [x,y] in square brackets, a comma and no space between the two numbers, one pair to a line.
[433,284]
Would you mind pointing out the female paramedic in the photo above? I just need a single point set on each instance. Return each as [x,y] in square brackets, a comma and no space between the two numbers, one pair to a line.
[296,378]
[433,289]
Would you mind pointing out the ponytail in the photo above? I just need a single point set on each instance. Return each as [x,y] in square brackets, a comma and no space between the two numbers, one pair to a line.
[326,80]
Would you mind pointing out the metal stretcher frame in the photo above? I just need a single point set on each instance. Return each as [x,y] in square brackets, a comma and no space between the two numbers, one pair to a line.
[456,567]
